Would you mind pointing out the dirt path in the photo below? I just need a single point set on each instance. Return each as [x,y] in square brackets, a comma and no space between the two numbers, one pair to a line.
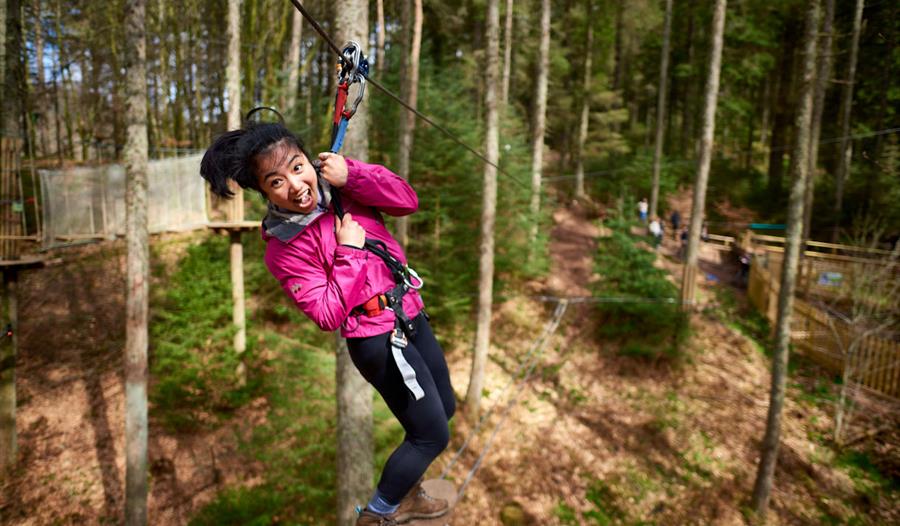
[573,243]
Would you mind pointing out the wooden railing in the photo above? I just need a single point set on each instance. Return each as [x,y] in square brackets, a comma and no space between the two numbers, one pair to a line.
[870,360]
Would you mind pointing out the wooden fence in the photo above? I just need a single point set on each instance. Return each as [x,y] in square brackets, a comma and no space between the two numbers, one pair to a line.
[871,361]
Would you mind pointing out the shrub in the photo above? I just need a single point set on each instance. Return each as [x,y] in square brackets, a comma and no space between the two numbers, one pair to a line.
[192,357]
[640,307]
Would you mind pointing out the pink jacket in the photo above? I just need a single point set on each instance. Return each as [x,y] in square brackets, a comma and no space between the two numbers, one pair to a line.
[326,280]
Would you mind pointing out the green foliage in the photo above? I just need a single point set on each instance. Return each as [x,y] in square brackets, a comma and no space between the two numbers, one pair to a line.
[192,358]
[867,478]
[642,312]
[604,500]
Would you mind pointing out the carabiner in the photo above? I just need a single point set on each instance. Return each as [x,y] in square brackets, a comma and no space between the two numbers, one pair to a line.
[354,68]
[412,275]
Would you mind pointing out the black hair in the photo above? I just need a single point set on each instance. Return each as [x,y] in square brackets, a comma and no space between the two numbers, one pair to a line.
[233,155]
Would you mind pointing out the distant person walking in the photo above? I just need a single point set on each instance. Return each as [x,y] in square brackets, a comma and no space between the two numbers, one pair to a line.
[656,230]
[675,218]
[643,208]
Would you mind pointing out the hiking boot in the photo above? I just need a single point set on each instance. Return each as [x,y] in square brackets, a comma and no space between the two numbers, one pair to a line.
[369,518]
[419,505]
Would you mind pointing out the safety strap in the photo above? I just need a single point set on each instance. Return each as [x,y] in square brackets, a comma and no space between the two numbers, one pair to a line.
[398,345]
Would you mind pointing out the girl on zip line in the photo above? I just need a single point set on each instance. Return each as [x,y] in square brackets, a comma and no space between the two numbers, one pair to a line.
[340,273]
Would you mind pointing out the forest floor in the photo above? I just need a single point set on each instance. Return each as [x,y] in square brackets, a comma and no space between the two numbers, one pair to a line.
[595,438]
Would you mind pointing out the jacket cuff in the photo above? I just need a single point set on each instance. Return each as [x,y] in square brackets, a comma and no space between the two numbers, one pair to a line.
[351,252]
[355,172]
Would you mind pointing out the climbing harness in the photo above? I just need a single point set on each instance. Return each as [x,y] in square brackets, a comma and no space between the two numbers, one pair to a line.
[353,69]
[406,279]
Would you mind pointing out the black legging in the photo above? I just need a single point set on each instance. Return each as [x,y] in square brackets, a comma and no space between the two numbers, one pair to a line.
[424,420]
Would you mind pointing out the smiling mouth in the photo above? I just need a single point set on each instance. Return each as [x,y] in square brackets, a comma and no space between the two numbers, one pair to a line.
[304,198]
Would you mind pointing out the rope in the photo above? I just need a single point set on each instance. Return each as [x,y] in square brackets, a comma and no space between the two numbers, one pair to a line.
[549,329]
[486,415]
[318,28]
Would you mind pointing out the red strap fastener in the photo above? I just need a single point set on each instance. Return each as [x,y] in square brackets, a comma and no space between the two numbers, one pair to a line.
[375,305]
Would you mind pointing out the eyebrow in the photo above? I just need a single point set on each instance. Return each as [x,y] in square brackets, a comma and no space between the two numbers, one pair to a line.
[273,172]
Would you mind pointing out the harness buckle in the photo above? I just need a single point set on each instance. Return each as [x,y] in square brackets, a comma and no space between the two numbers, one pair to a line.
[398,339]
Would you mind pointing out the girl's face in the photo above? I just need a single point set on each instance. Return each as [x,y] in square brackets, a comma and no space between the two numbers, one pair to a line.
[287,178]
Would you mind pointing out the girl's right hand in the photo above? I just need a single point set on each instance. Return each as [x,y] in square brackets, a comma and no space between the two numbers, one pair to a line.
[349,232]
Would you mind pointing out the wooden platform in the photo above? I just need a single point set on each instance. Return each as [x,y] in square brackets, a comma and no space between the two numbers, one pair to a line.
[439,489]
[234,226]
[29,261]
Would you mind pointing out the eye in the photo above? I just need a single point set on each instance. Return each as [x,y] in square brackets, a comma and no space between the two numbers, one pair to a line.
[297,167]
[275,183]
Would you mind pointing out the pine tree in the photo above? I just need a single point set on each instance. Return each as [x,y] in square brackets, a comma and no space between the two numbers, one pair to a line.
[845,149]
[540,121]
[792,246]
[138,269]
[661,109]
[823,74]
[408,119]
[688,284]
[585,102]
[354,395]
[488,213]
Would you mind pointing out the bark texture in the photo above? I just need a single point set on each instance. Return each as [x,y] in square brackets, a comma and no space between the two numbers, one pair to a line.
[8,346]
[507,53]
[138,269]
[845,151]
[408,118]
[823,74]
[13,72]
[688,284]
[800,167]
[294,60]
[488,213]
[661,109]
[585,103]
[540,120]
[354,395]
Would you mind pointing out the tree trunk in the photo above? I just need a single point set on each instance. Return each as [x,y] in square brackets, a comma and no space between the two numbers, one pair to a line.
[408,118]
[687,107]
[661,109]
[233,65]
[236,211]
[823,72]
[488,213]
[540,120]
[3,21]
[688,284]
[800,170]
[620,59]
[294,61]
[354,396]
[138,269]
[585,103]
[13,73]
[845,149]
[507,53]
[8,347]
[379,49]
[781,113]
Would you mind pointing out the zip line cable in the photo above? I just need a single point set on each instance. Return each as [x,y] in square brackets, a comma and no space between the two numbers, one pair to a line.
[318,28]
[731,155]
[548,331]
[490,411]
